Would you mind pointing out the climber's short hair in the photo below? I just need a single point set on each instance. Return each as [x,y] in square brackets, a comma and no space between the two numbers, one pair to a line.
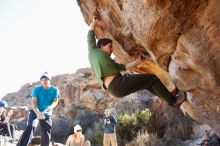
[103,41]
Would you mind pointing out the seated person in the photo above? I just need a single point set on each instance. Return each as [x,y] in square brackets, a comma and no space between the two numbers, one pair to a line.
[6,129]
[77,139]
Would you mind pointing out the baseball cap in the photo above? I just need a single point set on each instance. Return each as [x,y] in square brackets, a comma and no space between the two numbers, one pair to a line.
[3,103]
[45,75]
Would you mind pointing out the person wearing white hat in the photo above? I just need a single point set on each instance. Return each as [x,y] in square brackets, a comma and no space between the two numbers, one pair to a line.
[44,99]
[77,138]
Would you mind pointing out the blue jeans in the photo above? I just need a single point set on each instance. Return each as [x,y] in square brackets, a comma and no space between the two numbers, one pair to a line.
[32,123]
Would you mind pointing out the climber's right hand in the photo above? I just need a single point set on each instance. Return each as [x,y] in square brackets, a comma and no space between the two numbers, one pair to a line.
[93,23]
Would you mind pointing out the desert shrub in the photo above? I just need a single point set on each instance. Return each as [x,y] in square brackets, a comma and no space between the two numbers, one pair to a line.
[129,125]
[97,138]
[145,139]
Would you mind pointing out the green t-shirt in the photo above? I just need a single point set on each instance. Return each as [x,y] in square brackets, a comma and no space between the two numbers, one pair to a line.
[102,64]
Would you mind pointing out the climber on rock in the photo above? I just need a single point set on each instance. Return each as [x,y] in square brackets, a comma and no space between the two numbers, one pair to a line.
[107,72]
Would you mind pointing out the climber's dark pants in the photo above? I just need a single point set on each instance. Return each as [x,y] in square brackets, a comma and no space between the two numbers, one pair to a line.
[123,85]
[32,123]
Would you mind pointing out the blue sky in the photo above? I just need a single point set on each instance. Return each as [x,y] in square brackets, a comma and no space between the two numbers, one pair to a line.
[38,36]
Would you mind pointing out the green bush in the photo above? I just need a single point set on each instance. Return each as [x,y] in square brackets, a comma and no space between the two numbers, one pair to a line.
[129,125]
[97,138]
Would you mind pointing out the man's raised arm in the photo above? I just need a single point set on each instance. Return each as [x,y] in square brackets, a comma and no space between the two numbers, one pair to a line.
[91,40]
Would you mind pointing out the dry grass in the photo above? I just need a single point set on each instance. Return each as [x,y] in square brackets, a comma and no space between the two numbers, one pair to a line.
[146,139]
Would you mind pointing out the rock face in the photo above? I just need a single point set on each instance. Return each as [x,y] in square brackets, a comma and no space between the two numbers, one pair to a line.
[79,90]
[182,38]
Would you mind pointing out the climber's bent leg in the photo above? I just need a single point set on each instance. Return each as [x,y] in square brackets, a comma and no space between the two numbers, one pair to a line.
[161,91]
[123,85]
